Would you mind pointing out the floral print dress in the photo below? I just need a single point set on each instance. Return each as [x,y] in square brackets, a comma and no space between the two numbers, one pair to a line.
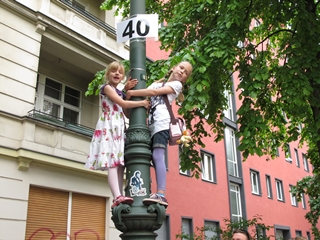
[107,144]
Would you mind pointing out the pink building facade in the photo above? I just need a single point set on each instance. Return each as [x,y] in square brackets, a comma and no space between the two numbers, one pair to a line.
[232,189]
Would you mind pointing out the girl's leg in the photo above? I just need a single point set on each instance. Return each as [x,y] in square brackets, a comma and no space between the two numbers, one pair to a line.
[113,179]
[120,178]
[160,167]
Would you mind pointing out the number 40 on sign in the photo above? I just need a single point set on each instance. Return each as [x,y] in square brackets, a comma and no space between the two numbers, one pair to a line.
[140,26]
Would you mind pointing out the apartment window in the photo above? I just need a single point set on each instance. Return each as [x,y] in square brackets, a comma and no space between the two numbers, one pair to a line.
[279,188]
[186,172]
[229,112]
[231,152]
[293,198]
[210,229]
[308,235]
[58,100]
[305,162]
[261,232]
[163,232]
[282,232]
[288,153]
[208,167]
[269,188]
[65,215]
[297,157]
[298,233]
[187,226]
[235,198]
[303,201]
[255,182]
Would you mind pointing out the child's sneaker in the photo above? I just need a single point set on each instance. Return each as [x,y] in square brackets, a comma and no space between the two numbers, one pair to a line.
[155,198]
[122,199]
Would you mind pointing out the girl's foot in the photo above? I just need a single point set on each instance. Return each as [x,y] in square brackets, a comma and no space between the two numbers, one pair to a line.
[155,198]
[122,199]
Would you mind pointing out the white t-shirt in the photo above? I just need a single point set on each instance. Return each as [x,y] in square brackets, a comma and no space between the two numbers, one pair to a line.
[159,117]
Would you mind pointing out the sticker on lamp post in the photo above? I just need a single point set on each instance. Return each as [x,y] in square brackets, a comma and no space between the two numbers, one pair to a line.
[140,26]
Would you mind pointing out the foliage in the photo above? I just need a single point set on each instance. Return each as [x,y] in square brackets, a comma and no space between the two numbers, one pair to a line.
[93,87]
[225,233]
[310,186]
[272,46]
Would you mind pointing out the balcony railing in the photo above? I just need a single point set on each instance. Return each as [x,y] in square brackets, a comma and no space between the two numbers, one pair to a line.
[43,117]
[89,16]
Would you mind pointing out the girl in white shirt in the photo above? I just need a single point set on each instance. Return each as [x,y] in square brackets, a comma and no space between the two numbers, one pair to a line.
[159,120]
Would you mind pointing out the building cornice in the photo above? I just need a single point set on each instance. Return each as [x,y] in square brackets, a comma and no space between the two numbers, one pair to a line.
[25,158]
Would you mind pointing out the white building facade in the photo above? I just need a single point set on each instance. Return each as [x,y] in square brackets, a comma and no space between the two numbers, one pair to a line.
[50,51]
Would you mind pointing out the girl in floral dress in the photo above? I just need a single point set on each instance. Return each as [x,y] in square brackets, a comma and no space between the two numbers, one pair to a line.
[107,145]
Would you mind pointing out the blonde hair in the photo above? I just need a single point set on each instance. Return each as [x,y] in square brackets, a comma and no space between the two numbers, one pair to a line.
[113,66]
[167,76]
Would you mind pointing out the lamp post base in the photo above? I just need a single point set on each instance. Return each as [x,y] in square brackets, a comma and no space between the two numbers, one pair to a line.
[138,223]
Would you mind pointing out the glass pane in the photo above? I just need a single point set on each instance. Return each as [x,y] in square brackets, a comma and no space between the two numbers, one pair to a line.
[72,96]
[210,229]
[51,108]
[235,211]
[231,169]
[229,146]
[186,226]
[70,116]
[53,89]
[210,169]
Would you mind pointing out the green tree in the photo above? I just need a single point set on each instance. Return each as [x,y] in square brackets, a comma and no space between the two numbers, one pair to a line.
[225,233]
[274,46]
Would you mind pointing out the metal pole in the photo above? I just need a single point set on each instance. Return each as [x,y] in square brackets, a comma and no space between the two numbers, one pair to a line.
[138,222]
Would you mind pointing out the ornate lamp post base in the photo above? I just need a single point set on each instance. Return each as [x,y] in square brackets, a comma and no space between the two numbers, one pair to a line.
[138,223]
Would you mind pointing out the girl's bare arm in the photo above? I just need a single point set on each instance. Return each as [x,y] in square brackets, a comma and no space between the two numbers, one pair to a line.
[150,92]
[124,103]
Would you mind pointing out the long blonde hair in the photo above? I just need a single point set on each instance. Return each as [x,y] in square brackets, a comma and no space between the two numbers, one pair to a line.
[167,77]
[113,66]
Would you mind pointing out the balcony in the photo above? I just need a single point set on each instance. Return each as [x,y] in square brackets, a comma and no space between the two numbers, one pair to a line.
[46,118]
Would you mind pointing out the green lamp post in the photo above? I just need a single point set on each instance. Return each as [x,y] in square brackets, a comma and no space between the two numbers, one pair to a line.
[138,222]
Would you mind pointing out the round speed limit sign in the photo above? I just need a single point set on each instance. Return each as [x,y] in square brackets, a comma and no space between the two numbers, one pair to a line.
[140,26]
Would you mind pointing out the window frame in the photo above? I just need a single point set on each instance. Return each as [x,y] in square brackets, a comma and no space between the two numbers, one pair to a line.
[308,235]
[287,153]
[231,163]
[293,198]
[298,233]
[207,168]
[305,162]
[284,230]
[229,112]
[269,187]
[261,232]
[303,201]
[189,222]
[279,190]
[41,97]
[296,153]
[237,214]
[255,182]
[212,233]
